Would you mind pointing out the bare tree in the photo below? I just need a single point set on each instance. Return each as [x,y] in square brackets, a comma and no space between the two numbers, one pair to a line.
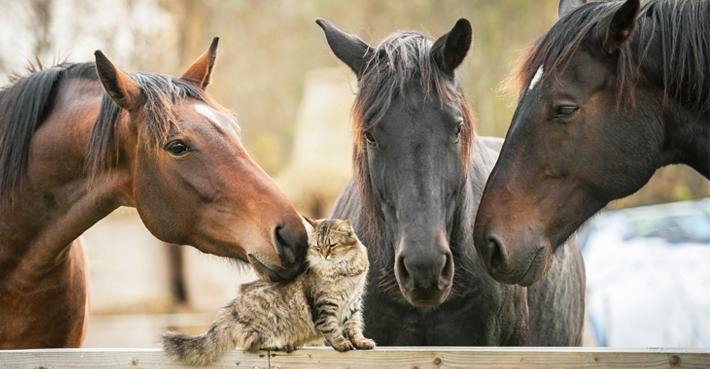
[41,24]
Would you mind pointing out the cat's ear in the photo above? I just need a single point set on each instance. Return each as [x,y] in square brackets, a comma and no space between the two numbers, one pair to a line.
[309,223]
[346,225]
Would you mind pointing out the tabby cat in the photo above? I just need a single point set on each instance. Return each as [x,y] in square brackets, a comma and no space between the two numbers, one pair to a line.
[321,304]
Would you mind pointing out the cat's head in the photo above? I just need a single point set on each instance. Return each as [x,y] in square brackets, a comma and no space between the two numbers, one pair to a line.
[331,239]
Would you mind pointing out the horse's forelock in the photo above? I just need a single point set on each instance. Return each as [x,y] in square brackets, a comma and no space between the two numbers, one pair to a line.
[555,48]
[682,57]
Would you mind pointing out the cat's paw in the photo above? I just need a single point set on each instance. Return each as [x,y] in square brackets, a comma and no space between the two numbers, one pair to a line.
[364,344]
[342,345]
[288,348]
[284,348]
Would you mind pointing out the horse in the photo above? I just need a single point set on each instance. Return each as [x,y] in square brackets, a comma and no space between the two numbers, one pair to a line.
[419,170]
[612,92]
[78,140]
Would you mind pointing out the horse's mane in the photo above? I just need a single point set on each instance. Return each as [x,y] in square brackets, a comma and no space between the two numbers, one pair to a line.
[679,31]
[23,105]
[401,60]
[26,101]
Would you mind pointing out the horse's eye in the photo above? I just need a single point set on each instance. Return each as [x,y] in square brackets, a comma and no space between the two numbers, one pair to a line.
[459,128]
[564,111]
[369,138]
[177,147]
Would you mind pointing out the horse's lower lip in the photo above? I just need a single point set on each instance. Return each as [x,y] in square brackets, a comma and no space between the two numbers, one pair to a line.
[528,278]
[427,298]
[275,274]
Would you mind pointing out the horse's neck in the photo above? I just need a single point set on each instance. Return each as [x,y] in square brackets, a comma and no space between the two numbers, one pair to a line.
[54,206]
[688,138]
[483,157]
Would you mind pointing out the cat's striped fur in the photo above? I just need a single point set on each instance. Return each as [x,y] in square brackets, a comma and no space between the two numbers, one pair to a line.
[322,304]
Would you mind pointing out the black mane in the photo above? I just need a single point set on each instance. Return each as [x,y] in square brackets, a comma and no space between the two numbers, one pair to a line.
[23,106]
[401,59]
[671,39]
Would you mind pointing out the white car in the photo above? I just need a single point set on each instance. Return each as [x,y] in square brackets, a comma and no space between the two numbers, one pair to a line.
[648,275]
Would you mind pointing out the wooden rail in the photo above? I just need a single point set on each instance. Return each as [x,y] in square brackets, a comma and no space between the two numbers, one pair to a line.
[389,357]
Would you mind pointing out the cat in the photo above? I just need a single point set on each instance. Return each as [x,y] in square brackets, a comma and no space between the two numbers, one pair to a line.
[323,303]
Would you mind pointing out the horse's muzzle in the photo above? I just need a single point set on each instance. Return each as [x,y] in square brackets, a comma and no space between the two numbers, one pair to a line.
[292,252]
[523,266]
[425,278]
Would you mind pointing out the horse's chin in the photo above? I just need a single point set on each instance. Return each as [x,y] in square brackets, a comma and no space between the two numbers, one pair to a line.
[429,298]
[270,273]
[536,270]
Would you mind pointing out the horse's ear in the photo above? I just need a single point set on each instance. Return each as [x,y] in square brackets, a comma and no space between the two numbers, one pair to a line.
[568,6]
[201,69]
[621,25]
[118,84]
[350,49]
[450,49]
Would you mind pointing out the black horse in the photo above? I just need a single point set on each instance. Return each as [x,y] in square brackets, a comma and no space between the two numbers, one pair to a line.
[612,92]
[419,175]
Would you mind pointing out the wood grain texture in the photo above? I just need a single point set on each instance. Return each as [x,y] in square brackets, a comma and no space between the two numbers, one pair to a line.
[390,357]
[117,359]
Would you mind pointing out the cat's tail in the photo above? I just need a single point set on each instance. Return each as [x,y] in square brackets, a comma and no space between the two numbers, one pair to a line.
[203,349]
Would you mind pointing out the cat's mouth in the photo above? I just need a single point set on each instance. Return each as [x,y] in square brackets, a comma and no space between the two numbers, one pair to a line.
[268,272]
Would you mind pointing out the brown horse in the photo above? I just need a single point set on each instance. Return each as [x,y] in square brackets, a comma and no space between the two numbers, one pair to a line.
[74,147]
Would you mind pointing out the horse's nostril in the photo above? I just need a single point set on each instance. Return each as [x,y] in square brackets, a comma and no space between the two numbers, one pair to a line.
[447,268]
[402,269]
[284,244]
[494,252]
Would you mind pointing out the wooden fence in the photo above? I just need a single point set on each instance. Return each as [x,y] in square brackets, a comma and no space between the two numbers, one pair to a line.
[389,357]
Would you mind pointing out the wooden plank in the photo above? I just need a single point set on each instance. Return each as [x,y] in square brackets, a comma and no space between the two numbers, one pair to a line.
[489,357]
[389,357]
[117,359]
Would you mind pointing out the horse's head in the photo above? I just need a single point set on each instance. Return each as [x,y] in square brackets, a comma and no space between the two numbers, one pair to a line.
[412,138]
[192,181]
[573,143]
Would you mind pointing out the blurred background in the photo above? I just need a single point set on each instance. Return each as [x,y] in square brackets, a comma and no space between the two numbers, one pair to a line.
[292,98]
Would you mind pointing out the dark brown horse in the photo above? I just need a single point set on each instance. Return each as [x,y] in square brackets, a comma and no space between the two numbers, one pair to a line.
[612,92]
[79,140]
[419,174]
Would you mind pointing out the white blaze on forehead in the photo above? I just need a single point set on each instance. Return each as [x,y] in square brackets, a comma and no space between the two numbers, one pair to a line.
[536,78]
[207,112]
[216,118]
